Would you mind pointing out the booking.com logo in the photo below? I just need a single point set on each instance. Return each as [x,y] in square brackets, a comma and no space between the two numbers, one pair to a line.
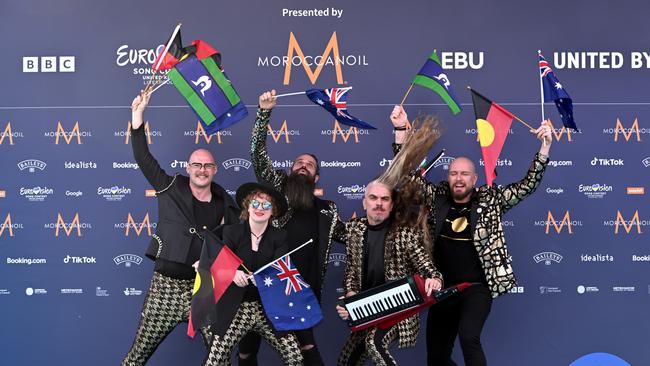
[600,359]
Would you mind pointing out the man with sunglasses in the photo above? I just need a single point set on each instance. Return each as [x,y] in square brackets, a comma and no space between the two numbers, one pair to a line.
[308,217]
[187,206]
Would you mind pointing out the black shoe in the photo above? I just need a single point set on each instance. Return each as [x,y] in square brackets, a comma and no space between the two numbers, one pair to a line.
[312,357]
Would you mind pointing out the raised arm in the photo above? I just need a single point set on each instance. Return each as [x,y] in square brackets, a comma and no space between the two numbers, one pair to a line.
[147,163]
[259,153]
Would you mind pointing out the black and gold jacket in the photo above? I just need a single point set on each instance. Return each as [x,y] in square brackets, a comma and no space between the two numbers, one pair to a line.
[404,255]
[489,204]
[327,210]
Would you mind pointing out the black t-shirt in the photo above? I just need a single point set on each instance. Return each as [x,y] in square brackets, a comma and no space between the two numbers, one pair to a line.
[208,215]
[454,252]
[373,260]
[303,226]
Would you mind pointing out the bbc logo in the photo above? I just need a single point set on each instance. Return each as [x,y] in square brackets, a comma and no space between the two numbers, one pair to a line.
[49,64]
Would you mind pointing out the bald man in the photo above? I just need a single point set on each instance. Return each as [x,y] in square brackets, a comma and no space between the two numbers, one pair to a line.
[188,205]
[469,246]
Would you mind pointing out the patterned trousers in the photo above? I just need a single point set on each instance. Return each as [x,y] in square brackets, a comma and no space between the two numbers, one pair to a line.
[166,305]
[251,317]
[370,343]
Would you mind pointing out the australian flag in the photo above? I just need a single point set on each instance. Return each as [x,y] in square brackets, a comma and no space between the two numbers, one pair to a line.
[288,301]
[554,91]
[335,101]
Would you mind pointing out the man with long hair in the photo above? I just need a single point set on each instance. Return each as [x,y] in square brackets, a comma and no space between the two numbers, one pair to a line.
[308,217]
[469,245]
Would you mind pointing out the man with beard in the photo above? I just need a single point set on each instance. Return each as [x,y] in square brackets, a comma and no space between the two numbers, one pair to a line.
[469,245]
[187,206]
[308,217]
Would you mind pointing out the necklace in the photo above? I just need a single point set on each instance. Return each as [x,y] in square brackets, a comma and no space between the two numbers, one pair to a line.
[258,238]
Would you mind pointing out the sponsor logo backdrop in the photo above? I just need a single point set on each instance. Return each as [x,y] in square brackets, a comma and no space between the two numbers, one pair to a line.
[76,215]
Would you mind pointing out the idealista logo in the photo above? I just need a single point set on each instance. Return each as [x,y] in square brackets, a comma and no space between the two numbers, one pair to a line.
[141,60]
[31,165]
[559,225]
[345,135]
[36,194]
[354,192]
[236,164]
[127,260]
[595,190]
[607,162]
[75,134]
[9,226]
[68,228]
[547,258]
[200,132]
[337,259]
[80,165]
[628,225]
[626,132]
[137,227]
[79,260]
[295,57]
[147,132]
[113,194]
[587,289]
[596,258]
[10,134]
[500,162]
[284,131]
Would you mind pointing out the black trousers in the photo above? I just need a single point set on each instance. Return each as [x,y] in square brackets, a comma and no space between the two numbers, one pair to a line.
[250,345]
[464,316]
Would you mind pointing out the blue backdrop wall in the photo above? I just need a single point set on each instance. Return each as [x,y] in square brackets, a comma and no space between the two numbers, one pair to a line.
[72,295]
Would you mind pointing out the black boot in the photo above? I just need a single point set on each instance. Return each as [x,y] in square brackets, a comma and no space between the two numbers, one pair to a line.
[251,360]
[312,357]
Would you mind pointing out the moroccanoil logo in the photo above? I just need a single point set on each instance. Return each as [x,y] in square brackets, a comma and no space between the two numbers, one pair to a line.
[345,135]
[75,134]
[137,227]
[559,132]
[68,228]
[9,226]
[627,132]
[627,225]
[282,133]
[558,225]
[147,132]
[9,134]
[313,64]
[200,132]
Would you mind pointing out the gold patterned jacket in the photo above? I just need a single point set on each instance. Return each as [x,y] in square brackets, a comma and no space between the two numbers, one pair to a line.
[264,171]
[404,255]
[489,204]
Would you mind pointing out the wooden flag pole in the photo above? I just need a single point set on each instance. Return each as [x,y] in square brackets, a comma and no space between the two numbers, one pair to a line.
[162,56]
[406,95]
[246,269]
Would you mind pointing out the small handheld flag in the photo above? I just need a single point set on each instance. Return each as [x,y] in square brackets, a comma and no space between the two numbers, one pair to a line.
[334,100]
[554,91]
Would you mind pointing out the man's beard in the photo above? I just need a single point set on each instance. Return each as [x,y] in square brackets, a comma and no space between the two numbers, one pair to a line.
[461,196]
[299,189]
